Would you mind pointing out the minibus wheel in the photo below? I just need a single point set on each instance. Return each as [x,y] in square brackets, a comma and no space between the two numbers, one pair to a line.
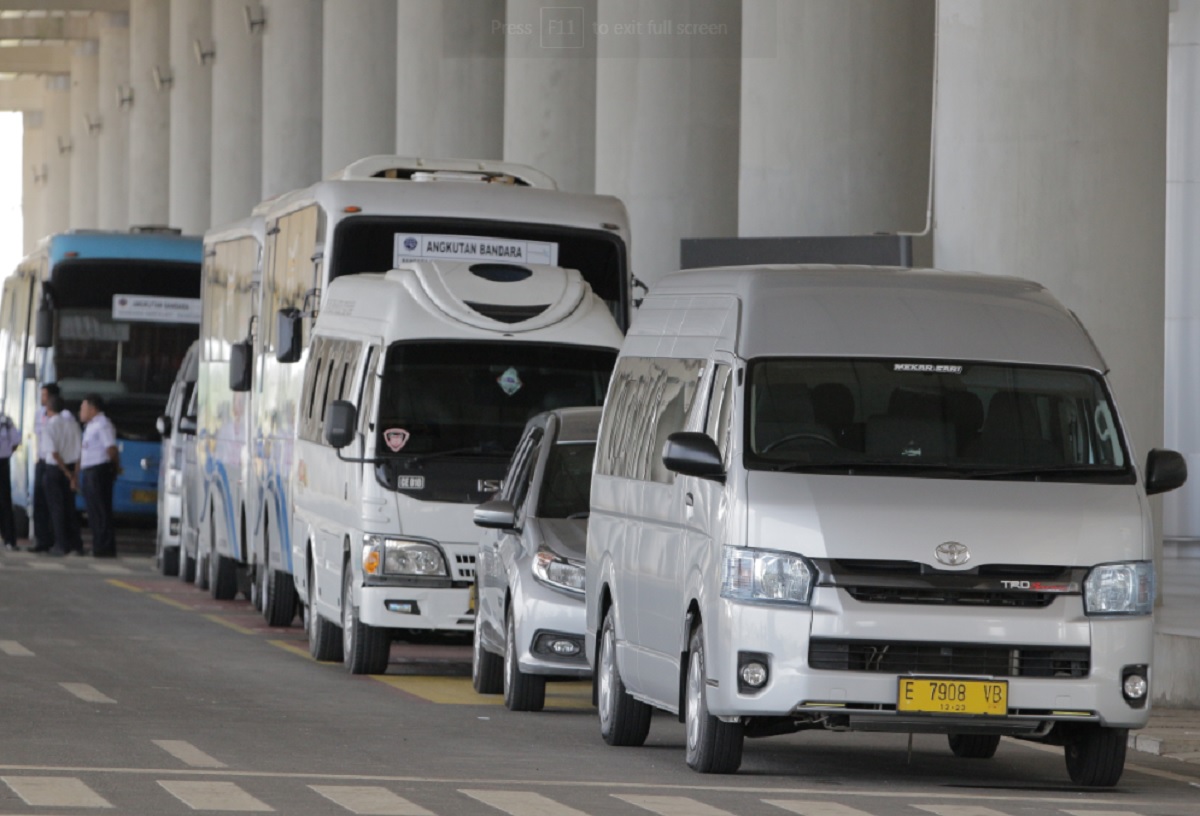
[486,668]
[974,746]
[1096,755]
[187,566]
[278,593]
[623,720]
[324,641]
[522,692]
[365,649]
[713,746]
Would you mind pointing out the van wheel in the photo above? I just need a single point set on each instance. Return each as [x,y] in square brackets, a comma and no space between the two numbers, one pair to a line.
[623,720]
[222,577]
[365,649]
[486,668]
[201,571]
[323,640]
[1096,756]
[974,746]
[713,746]
[278,593]
[187,567]
[168,559]
[522,692]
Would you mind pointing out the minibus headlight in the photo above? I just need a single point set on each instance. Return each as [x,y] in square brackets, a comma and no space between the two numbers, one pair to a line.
[558,572]
[1120,589]
[764,575]
[397,556]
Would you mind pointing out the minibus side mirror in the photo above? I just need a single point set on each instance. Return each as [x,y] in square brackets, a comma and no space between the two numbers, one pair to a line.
[1165,470]
[693,454]
[240,368]
[187,425]
[340,422]
[497,514]
[290,324]
[163,423]
[44,328]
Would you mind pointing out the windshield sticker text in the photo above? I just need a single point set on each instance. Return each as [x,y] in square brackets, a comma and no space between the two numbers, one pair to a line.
[408,247]
[927,368]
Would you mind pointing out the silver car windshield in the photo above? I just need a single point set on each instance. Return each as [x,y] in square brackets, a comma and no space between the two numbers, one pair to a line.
[940,419]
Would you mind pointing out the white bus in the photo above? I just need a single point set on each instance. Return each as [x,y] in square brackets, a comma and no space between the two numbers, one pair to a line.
[429,373]
[374,215]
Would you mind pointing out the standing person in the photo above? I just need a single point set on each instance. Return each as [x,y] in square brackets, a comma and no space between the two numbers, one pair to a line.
[99,463]
[63,441]
[10,438]
[43,532]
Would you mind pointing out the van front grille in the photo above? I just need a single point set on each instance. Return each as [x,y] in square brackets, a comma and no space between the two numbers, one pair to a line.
[950,597]
[464,568]
[912,657]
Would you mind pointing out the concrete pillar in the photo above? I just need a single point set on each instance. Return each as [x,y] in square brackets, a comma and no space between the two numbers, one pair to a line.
[150,116]
[667,121]
[33,183]
[113,152]
[56,141]
[291,100]
[450,78]
[1050,161]
[835,117]
[236,110]
[85,136]
[1181,509]
[191,45]
[550,90]
[358,81]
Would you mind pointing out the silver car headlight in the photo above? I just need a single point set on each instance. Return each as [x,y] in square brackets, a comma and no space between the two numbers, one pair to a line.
[1120,589]
[558,572]
[398,556]
[767,576]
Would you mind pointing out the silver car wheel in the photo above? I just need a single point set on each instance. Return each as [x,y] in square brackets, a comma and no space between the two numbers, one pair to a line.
[695,688]
[605,679]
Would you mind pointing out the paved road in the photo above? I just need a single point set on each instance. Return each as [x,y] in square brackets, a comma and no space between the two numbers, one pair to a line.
[122,692]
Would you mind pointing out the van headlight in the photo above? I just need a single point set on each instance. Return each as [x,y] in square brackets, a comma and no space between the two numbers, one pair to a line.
[399,556]
[558,572]
[767,576]
[1120,589]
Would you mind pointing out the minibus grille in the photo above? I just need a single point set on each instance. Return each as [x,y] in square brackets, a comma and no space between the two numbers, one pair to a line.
[950,597]
[464,567]
[914,657]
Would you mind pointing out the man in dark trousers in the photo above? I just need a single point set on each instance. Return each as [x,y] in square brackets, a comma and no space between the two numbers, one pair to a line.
[10,438]
[63,441]
[99,464]
[43,532]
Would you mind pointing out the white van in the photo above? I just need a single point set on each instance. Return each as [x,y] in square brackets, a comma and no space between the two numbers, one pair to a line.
[425,376]
[869,499]
[178,430]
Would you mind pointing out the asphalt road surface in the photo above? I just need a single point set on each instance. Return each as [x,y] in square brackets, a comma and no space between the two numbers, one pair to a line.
[124,692]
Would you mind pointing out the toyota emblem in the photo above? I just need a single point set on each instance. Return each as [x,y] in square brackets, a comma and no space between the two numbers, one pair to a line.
[952,554]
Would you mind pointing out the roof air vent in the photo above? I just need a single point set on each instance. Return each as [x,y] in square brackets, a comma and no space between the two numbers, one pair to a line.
[508,314]
[501,273]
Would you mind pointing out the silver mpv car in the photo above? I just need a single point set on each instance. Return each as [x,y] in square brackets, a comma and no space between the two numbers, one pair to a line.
[529,573]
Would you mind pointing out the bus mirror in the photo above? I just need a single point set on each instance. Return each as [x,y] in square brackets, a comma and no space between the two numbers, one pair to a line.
[44,329]
[30,371]
[164,426]
[290,323]
[340,422]
[187,425]
[240,356]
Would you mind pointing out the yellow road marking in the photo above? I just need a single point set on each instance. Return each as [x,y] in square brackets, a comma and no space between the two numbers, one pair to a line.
[172,602]
[459,691]
[288,646]
[235,627]
[117,582]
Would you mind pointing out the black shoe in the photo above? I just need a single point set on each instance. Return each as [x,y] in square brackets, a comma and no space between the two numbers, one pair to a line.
[80,551]
[37,549]
[104,555]
[56,552]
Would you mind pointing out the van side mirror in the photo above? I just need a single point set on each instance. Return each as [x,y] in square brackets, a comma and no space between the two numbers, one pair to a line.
[44,327]
[29,371]
[187,425]
[693,454]
[163,424]
[340,421]
[241,356]
[497,514]
[290,325]
[1165,470]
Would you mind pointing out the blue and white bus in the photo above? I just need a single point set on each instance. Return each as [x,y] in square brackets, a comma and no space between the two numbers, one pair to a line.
[109,313]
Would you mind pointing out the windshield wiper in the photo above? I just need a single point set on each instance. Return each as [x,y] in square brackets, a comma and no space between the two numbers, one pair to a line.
[474,450]
[871,465]
[1049,470]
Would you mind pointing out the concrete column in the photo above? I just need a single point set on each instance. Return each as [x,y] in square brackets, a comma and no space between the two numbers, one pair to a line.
[358,81]
[114,89]
[835,117]
[450,78]
[33,181]
[56,141]
[1181,509]
[550,90]
[667,121]
[85,141]
[191,45]
[150,116]
[236,110]
[1050,162]
[291,99]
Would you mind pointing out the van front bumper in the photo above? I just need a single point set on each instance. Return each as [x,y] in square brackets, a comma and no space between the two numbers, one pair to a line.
[415,607]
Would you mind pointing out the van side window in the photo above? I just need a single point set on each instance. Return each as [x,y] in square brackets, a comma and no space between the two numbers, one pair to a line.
[306,426]
[366,391]
[720,406]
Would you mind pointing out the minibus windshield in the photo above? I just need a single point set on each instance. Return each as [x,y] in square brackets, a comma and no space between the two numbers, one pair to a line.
[940,419]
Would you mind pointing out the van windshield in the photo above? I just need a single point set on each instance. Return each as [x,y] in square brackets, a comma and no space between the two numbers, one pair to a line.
[939,419]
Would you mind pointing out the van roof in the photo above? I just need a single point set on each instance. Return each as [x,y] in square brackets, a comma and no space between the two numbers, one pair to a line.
[865,311]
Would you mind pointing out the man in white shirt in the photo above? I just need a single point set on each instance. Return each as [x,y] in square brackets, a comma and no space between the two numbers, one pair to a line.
[99,463]
[10,438]
[42,535]
[63,441]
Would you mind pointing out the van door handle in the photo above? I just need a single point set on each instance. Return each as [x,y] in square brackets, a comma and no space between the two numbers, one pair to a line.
[688,500]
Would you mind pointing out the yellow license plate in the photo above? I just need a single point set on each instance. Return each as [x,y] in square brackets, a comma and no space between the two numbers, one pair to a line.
[145,496]
[948,695]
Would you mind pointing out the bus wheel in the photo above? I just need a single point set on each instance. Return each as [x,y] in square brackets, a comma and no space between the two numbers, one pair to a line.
[168,560]
[365,649]
[324,642]
[187,567]
[277,591]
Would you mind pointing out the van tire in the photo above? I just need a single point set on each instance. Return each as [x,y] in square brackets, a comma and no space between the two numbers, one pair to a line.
[487,669]
[222,578]
[623,720]
[365,649]
[324,641]
[278,593]
[200,573]
[713,746]
[168,560]
[187,567]
[1096,755]
[522,692]
[974,746]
